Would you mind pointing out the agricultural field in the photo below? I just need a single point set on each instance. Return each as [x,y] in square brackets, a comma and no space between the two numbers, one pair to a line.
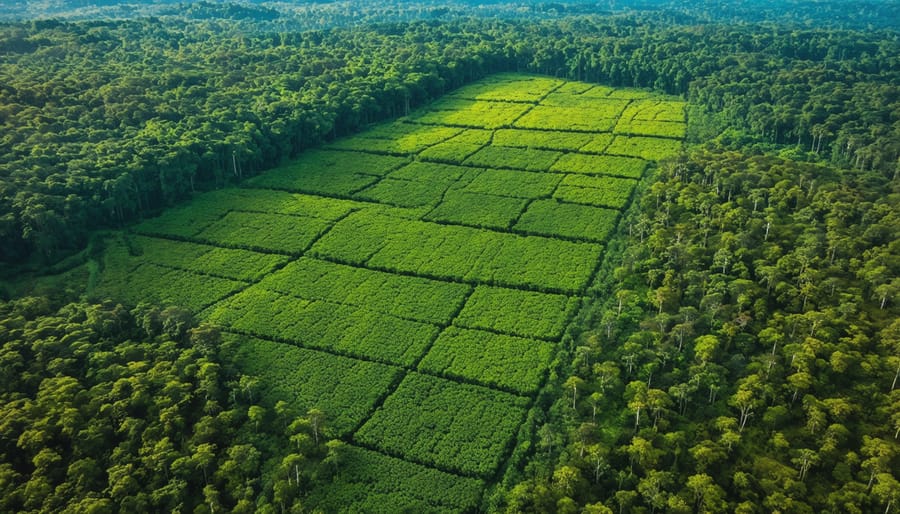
[413,282]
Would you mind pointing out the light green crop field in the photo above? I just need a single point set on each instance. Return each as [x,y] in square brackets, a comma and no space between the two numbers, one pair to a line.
[414,281]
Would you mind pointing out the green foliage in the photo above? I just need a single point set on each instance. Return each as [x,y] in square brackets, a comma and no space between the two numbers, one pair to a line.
[231,263]
[105,411]
[628,167]
[281,233]
[454,426]
[398,295]
[546,117]
[509,88]
[649,148]
[547,140]
[459,253]
[517,312]
[476,209]
[529,159]
[345,388]
[471,113]
[510,363]
[167,286]
[518,184]
[405,193]
[554,218]
[600,191]
[450,152]
[343,329]
[327,172]
[369,481]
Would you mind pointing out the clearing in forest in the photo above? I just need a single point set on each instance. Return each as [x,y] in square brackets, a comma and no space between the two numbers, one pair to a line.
[414,281]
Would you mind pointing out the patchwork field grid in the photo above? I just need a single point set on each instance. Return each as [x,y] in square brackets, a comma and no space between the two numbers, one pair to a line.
[414,281]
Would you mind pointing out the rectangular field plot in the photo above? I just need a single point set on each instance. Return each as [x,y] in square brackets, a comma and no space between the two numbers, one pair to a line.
[650,148]
[655,110]
[398,295]
[329,172]
[405,193]
[519,184]
[432,172]
[396,138]
[478,137]
[459,253]
[278,202]
[476,209]
[452,426]
[209,260]
[519,158]
[545,117]
[181,221]
[164,286]
[612,192]
[369,481]
[670,129]
[450,152]
[345,389]
[541,139]
[582,222]
[629,167]
[598,144]
[342,329]
[517,312]
[517,89]
[506,362]
[265,232]
[471,113]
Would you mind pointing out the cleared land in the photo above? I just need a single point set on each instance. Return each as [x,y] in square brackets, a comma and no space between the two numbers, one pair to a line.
[414,281]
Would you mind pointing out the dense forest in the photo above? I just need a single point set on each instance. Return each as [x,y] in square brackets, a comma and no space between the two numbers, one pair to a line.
[742,353]
[106,122]
[110,410]
[737,351]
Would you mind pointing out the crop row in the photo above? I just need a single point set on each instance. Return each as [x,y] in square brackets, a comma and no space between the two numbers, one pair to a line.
[546,117]
[630,167]
[265,232]
[521,313]
[529,159]
[345,389]
[369,481]
[671,129]
[505,362]
[450,152]
[459,253]
[575,221]
[163,286]
[655,110]
[453,426]
[476,209]
[405,193]
[237,264]
[542,139]
[397,138]
[600,191]
[339,328]
[398,295]
[517,184]
[472,113]
[329,172]
[650,148]
[518,90]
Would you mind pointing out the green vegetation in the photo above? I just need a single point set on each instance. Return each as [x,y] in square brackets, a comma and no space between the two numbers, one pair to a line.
[554,218]
[339,328]
[347,389]
[398,295]
[413,289]
[453,426]
[505,362]
[517,312]
[107,410]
